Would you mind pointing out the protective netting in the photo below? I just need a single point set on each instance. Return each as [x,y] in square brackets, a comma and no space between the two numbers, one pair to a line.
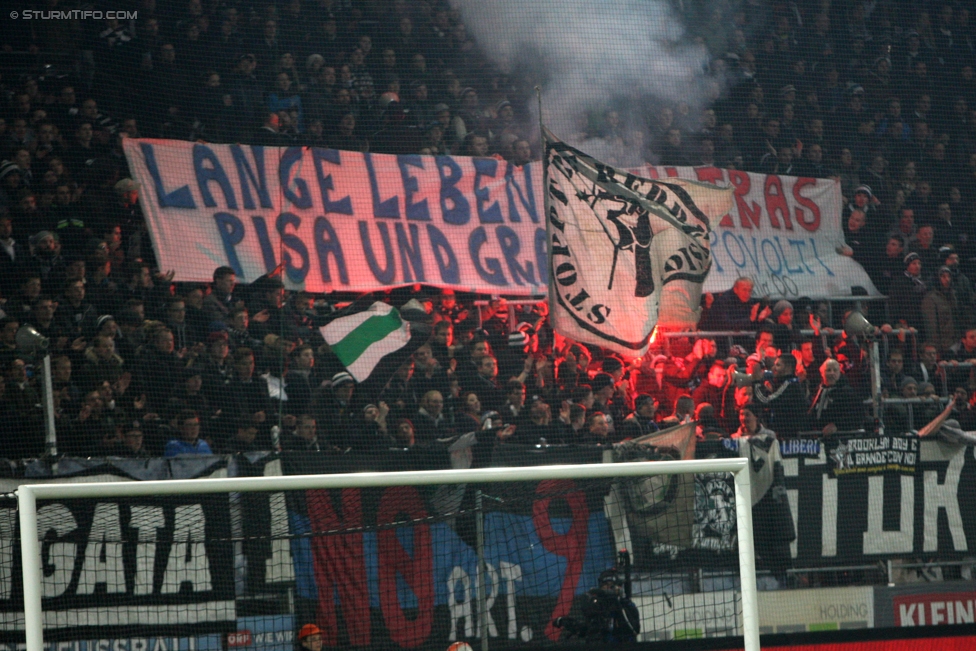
[335,229]
[145,568]
[399,566]
[828,541]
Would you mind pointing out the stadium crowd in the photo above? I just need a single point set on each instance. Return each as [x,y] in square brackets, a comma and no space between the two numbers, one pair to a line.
[881,96]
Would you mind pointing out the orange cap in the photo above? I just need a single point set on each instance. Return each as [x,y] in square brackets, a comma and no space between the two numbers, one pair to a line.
[307,630]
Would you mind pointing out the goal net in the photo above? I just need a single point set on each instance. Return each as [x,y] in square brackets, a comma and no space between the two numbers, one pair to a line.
[522,556]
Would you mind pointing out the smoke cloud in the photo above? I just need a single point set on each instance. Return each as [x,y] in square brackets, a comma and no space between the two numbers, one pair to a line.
[590,57]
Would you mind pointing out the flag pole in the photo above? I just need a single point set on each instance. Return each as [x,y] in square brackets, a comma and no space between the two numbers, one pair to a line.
[545,199]
[538,96]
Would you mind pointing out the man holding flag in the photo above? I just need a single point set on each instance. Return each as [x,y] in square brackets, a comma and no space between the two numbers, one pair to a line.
[371,340]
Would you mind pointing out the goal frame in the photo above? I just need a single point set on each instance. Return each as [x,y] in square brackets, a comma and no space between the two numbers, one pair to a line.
[30,547]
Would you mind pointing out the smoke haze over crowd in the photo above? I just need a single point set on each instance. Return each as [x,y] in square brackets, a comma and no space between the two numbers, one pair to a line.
[587,54]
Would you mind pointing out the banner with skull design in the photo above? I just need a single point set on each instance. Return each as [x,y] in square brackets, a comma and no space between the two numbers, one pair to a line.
[625,252]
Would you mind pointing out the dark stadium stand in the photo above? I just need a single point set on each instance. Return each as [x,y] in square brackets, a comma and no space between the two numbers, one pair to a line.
[878,95]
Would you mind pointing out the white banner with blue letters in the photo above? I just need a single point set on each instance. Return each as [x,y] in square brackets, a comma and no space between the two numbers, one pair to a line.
[349,221]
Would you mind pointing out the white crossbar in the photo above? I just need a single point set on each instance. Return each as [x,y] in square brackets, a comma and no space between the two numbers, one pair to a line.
[28,494]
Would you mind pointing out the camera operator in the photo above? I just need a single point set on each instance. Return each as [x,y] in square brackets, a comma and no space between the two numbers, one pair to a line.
[608,615]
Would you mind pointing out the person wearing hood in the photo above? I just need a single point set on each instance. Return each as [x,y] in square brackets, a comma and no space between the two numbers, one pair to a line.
[939,311]
[907,291]
[835,406]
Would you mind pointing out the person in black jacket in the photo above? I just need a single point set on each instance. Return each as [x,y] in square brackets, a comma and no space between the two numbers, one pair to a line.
[782,397]
[429,420]
[535,424]
[248,393]
[906,293]
[640,422]
[334,408]
[75,317]
[299,381]
[718,391]
[835,406]
[608,615]
[736,309]
[132,441]
[485,385]
[159,369]
[247,96]
[305,436]
[217,370]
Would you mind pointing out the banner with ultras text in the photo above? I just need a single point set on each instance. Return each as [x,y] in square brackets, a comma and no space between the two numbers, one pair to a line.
[350,221]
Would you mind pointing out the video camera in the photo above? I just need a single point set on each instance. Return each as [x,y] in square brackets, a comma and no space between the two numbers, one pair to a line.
[601,605]
[599,608]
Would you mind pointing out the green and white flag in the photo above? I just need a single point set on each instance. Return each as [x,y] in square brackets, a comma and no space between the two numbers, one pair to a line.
[362,340]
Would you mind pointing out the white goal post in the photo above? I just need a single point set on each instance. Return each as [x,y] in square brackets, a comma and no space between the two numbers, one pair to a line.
[28,494]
